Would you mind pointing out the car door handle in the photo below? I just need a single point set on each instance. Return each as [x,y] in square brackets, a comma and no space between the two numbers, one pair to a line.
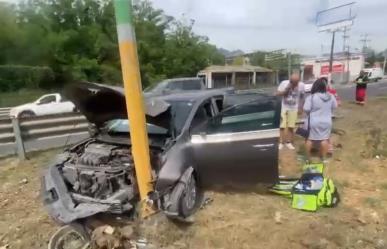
[263,146]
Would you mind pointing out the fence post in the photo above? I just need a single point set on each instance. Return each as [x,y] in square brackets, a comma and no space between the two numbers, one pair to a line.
[18,138]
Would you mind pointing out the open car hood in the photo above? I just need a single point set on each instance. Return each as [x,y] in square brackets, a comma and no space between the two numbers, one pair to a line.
[101,103]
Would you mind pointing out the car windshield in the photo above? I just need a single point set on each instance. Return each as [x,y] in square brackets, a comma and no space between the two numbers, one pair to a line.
[159,87]
[183,84]
[180,111]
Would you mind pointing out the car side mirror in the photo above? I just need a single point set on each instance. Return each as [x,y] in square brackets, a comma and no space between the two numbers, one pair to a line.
[93,130]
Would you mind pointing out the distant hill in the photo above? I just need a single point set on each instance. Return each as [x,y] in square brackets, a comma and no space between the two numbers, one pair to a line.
[228,53]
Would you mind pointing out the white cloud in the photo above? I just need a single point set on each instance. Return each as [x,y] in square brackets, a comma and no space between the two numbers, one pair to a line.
[273,24]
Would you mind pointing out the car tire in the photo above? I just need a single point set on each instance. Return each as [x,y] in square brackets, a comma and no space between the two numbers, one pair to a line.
[27,114]
[190,197]
[76,231]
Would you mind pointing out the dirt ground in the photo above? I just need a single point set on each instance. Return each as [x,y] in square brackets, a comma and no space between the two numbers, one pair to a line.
[249,219]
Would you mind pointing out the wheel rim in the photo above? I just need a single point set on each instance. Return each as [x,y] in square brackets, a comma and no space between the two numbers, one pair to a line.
[68,240]
[190,193]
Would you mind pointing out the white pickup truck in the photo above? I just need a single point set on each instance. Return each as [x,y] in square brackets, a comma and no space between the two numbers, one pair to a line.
[47,104]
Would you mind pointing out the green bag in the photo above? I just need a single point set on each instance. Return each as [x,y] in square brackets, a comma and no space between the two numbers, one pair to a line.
[313,168]
[310,198]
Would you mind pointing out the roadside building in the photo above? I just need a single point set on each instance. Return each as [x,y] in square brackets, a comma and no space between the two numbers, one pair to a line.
[346,67]
[240,77]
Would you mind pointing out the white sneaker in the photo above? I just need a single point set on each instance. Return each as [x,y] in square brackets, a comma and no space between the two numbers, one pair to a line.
[280,146]
[290,146]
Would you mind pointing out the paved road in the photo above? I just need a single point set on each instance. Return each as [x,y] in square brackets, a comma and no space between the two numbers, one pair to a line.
[373,89]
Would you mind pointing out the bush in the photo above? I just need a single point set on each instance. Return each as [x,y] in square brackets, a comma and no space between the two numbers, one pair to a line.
[15,77]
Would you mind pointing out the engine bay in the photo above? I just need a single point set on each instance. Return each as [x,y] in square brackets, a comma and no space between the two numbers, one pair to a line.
[97,172]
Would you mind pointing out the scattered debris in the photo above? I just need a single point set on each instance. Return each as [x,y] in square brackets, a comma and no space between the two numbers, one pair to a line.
[109,230]
[375,217]
[141,243]
[103,237]
[277,217]
[361,220]
[24,181]
[127,232]
[4,203]
[207,201]
[380,244]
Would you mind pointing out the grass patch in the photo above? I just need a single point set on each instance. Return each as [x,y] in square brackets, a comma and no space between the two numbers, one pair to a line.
[10,99]
[384,186]
[343,184]
[372,202]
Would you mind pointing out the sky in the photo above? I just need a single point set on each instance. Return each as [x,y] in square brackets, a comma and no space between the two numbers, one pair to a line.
[252,25]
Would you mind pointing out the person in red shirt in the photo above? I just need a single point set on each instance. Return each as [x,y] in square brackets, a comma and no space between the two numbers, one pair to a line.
[333,91]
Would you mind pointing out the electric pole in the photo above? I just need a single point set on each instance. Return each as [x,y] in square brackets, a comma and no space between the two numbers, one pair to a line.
[332,50]
[384,64]
[289,64]
[365,41]
[345,38]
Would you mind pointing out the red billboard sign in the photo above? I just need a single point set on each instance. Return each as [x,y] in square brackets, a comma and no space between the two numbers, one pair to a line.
[339,68]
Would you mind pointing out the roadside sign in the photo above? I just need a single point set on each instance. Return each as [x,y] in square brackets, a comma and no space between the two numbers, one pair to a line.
[336,18]
[339,68]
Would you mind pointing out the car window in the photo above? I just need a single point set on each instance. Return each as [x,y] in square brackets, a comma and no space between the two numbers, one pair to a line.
[47,99]
[63,99]
[252,116]
[180,111]
[186,85]
[122,126]
[203,114]
[159,87]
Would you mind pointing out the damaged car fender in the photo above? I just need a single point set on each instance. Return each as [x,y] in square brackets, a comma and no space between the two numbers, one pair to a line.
[176,163]
[185,198]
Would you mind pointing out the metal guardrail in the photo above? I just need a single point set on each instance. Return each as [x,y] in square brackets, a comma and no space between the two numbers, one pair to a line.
[4,112]
[18,136]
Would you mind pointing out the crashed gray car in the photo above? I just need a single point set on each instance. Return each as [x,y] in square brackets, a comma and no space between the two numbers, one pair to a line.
[197,140]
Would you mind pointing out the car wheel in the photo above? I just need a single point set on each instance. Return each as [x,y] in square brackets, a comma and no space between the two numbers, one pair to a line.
[190,198]
[70,236]
[27,114]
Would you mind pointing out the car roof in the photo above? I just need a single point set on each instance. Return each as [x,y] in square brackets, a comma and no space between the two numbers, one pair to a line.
[182,79]
[191,96]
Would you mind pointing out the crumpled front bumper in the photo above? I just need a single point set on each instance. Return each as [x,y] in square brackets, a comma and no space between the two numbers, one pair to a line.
[59,203]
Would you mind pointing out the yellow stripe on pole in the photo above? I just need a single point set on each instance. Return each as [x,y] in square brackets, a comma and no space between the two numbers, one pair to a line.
[134,102]
[136,114]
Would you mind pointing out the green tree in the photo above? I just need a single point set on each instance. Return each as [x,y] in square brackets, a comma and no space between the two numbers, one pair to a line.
[77,40]
[186,53]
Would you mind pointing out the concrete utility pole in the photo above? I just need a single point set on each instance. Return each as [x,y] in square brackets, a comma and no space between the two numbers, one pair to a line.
[289,64]
[384,63]
[365,41]
[134,100]
[345,38]
[332,50]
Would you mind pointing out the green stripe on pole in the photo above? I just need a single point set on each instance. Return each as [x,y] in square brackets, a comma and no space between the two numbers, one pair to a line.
[123,10]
